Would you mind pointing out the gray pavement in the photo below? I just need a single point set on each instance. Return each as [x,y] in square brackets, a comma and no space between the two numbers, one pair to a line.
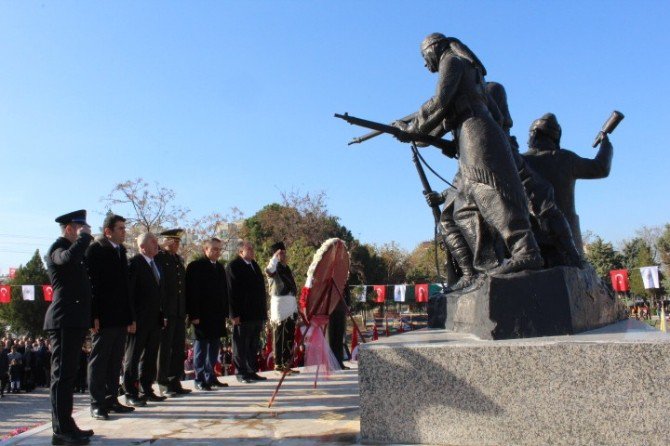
[29,409]
[301,415]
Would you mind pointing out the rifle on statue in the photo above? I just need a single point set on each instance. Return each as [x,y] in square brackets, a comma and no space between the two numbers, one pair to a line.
[448,147]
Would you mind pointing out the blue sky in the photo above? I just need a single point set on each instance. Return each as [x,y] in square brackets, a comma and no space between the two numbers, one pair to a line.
[231,103]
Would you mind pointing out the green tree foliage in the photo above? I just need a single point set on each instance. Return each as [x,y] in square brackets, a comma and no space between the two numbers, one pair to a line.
[302,222]
[638,254]
[421,263]
[27,317]
[603,257]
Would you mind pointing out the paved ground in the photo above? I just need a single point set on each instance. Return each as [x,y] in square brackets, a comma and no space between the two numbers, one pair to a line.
[236,415]
[29,409]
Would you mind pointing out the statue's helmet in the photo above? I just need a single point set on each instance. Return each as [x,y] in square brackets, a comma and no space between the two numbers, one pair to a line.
[547,125]
[430,50]
[431,40]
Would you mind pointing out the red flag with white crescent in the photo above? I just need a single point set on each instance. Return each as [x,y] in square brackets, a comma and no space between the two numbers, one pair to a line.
[48,292]
[381,293]
[421,293]
[5,294]
[619,279]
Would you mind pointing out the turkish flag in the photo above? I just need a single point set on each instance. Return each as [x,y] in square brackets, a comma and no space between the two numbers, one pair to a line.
[5,294]
[421,293]
[381,293]
[48,292]
[619,279]
[12,273]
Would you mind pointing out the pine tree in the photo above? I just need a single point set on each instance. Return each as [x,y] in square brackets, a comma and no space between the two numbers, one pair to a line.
[27,317]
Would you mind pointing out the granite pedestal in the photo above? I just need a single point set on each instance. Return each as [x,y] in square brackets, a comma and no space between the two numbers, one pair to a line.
[603,387]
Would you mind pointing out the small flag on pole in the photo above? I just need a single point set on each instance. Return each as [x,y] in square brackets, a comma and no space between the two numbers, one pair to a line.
[5,294]
[48,292]
[421,292]
[619,278]
[650,276]
[381,293]
[28,292]
[399,293]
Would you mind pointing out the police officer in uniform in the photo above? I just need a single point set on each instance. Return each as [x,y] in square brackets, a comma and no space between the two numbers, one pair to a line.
[67,320]
[173,337]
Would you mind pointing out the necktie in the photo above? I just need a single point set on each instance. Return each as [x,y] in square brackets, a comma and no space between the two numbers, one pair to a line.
[154,268]
[118,251]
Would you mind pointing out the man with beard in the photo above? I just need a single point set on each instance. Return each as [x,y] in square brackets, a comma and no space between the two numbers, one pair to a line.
[283,307]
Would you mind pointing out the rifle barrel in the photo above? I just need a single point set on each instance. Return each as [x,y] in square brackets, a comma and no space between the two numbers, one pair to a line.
[376,133]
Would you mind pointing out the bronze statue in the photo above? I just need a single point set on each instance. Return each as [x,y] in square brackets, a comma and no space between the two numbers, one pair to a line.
[550,227]
[491,194]
[562,168]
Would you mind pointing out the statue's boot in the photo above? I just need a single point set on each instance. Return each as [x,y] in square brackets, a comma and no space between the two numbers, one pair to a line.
[531,261]
[460,251]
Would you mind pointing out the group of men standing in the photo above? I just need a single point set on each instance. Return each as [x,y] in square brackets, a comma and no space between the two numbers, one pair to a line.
[137,311]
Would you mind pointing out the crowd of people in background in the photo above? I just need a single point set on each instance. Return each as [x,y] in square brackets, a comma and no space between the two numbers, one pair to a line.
[24,364]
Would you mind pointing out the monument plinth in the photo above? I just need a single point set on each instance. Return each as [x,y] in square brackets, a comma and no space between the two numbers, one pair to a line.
[606,386]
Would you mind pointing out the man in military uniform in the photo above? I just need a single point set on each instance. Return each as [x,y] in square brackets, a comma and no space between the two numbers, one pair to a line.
[283,307]
[67,320]
[112,315]
[562,168]
[491,194]
[173,337]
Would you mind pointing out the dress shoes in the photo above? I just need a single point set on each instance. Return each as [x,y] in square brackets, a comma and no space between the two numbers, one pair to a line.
[135,401]
[85,432]
[69,439]
[257,377]
[202,386]
[154,398]
[181,391]
[165,390]
[244,379]
[120,408]
[217,383]
[99,414]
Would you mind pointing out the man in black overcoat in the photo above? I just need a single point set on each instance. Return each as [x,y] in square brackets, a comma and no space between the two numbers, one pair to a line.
[67,320]
[248,310]
[207,303]
[146,295]
[112,316]
[173,337]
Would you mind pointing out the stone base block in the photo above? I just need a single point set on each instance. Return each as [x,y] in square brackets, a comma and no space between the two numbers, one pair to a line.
[603,387]
[549,302]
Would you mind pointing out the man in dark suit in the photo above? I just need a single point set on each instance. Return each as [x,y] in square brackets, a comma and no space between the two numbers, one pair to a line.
[67,320]
[207,302]
[248,311]
[146,295]
[112,316]
[173,337]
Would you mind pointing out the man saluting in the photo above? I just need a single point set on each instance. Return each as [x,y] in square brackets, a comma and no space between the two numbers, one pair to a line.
[67,320]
